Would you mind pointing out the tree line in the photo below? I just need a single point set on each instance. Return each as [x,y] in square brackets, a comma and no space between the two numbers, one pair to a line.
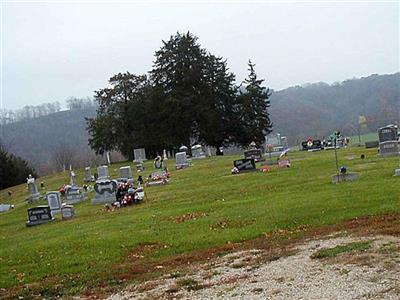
[189,96]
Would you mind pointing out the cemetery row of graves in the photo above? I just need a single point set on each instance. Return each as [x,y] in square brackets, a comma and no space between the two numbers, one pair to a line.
[195,179]
[125,190]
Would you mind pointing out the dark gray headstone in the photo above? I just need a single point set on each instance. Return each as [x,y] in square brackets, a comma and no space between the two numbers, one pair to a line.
[255,154]
[387,133]
[39,215]
[33,190]
[245,165]
[372,144]
[389,148]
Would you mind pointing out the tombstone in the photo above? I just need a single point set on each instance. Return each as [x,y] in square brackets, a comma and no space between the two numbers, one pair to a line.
[125,172]
[39,215]
[197,152]
[54,201]
[181,160]
[102,172]
[67,212]
[165,156]
[255,154]
[284,163]
[313,145]
[397,172]
[389,148]
[245,165]
[74,195]
[33,190]
[209,151]
[105,191]
[139,167]
[139,154]
[372,144]
[88,175]
[72,178]
[183,148]
[344,177]
[6,207]
[387,133]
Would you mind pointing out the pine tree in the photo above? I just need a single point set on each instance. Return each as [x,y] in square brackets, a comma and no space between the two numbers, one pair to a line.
[253,116]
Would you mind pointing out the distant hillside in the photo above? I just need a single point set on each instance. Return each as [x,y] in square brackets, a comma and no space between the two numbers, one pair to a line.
[318,109]
[47,140]
[297,112]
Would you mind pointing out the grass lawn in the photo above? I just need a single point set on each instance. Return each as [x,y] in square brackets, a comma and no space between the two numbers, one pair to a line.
[67,257]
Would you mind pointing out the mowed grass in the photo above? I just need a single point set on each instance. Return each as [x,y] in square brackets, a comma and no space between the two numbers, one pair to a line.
[65,257]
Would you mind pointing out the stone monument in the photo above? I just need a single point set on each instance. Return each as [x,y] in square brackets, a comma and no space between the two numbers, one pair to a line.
[34,193]
[54,201]
[39,215]
[181,160]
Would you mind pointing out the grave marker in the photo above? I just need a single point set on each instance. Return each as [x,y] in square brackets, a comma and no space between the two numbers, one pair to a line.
[88,175]
[54,201]
[105,191]
[181,160]
[245,165]
[39,215]
[67,212]
[139,154]
[125,172]
[255,154]
[102,172]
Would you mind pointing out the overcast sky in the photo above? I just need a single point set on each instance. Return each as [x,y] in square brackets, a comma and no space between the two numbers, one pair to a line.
[51,51]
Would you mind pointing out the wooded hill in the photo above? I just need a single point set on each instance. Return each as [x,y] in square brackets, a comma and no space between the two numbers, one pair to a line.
[297,112]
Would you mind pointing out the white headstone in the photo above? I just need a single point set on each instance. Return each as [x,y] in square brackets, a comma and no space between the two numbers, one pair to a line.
[139,154]
[181,160]
[72,178]
[54,201]
[88,175]
[125,172]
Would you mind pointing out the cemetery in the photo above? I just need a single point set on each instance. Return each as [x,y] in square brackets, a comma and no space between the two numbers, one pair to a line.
[301,192]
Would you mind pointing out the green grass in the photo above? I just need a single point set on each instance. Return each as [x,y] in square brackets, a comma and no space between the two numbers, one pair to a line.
[335,251]
[65,257]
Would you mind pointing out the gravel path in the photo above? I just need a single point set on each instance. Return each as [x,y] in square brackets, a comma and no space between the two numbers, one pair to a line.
[369,274]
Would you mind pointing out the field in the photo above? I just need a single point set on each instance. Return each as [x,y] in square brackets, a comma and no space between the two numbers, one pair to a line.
[202,207]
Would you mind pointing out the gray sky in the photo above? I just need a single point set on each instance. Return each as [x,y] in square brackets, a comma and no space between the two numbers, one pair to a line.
[51,51]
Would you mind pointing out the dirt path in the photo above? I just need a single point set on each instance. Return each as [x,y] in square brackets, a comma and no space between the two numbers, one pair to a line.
[372,273]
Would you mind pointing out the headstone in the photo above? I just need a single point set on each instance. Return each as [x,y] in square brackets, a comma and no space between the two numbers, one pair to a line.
[388,141]
[105,191]
[108,158]
[183,148]
[6,207]
[283,163]
[344,177]
[209,151]
[88,175]
[389,148]
[102,172]
[67,212]
[255,154]
[139,154]
[73,195]
[39,215]
[311,144]
[54,201]
[245,165]
[33,190]
[72,178]
[372,144]
[139,167]
[125,172]
[165,156]
[181,160]
[387,133]
[397,172]
[197,152]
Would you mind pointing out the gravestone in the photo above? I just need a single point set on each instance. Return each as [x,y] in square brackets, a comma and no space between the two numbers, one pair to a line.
[139,154]
[311,145]
[54,201]
[125,172]
[397,172]
[197,152]
[389,148]
[33,190]
[245,165]
[283,163]
[105,191]
[344,177]
[102,172]
[6,207]
[67,212]
[72,178]
[181,160]
[73,195]
[372,144]
[388,140]
[387,133]
[139,167]
[88,175]
[39,215]
[255,154]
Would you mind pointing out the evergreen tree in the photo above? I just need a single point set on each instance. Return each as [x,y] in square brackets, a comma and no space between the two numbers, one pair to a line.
[13,169]
[253,117]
